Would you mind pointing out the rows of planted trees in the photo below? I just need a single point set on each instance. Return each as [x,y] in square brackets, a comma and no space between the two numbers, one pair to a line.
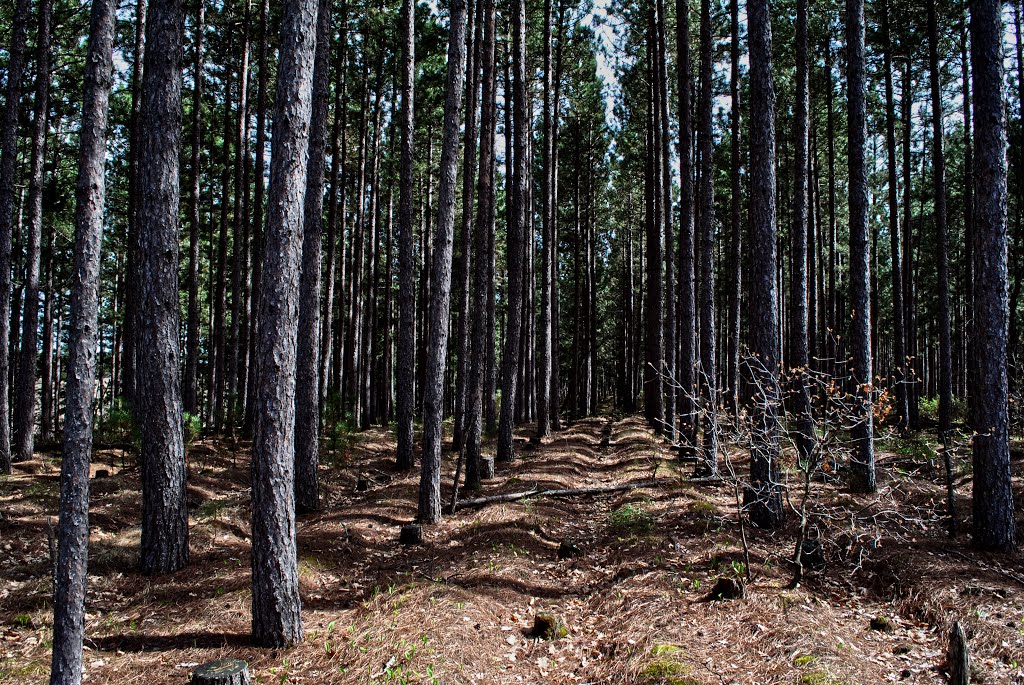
[773,224]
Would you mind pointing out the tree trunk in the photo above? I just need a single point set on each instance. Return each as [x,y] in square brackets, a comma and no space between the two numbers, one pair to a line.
[687,321]
[994,526]
[941,230]
[25,405]
[406,376]
[799,361]
[517,237]
[736,285]
[863,458]
[709,375]
[73,528]
[441,273]
[764,499]
[276,606]
[190,390]
[307,374]
[158,392]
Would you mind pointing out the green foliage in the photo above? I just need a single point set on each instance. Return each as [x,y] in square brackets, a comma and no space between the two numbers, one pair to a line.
[631,518]
[193,427]
[666,671]
[118,426]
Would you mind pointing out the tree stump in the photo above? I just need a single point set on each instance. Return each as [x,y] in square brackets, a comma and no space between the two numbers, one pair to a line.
[222,672]
[812,556]
[548,627]
[727,588]
[362,484]
[569,549]
[102,473]
[486,468]
[958,658]
[411,534]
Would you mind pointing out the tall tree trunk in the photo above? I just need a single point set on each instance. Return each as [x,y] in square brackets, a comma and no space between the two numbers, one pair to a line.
[258,247]
[462,262]
[736,285]
[899,334]
[941,230]
[190,390]
[441,272]
[669,335]
[158,392]
[799,353]
[307,374]
[25,387]
[548,250]
[863,459]
[687,318]
[709,376]
[406,354]
[8,174]
[654,341]
[994,525]
[517,237]
[764,499]
[276,606]
[73,528]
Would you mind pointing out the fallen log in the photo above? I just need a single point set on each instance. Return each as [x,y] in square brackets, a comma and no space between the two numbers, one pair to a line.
[559,492]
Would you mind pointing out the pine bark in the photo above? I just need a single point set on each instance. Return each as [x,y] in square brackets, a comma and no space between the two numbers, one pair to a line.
[764,499]
[276,606]
[406,362]
[994,525]
[736,284]
[191,387]
[73,527]
[158,390]
[8,197]
[441,272]
[863,458]
[25,387]
[687,316]
[307,375]
[517,237]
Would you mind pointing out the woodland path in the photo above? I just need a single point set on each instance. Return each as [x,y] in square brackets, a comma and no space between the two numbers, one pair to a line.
[458,608]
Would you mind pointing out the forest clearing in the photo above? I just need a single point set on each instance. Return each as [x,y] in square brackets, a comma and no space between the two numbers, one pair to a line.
[631,590]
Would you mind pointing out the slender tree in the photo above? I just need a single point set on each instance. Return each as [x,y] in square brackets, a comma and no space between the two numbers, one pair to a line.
[687,316]
[276,606]
[307,374]
[25,404]
[73,527]
[441,272]
[516,232]
[191,387]
[8,174]
[406,358]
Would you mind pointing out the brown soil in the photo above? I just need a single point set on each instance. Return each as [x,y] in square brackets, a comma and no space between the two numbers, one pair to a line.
[461,607]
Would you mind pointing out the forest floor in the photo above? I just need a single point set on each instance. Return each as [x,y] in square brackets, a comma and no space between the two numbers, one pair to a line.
[459,608]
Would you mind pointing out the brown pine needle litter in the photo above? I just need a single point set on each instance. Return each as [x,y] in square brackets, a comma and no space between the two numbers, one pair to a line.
[630,600]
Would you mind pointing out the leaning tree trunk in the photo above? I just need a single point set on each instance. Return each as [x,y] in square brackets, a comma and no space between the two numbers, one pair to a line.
[276,606]
[25,388]
[8,175]
[994,526]
[863,459]
[158,388]
[73,528]
[307,374]
[441,273]
[517,237]
[764,499]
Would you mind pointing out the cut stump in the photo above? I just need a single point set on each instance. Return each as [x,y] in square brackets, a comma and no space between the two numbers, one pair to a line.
[958,658]
[486,468]
[727,588]
[411,534]
[222,672]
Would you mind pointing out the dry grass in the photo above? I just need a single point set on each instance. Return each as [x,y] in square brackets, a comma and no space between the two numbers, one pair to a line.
[459,608]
